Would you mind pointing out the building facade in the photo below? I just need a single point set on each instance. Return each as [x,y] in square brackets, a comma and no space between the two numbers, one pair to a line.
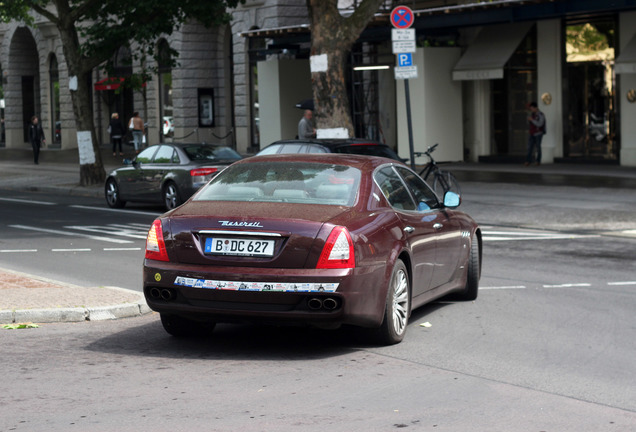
[479,66]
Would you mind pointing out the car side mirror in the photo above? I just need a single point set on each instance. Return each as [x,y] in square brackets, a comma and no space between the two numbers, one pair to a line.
[452,200]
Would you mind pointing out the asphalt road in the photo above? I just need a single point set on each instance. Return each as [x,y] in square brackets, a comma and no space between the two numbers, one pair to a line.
[547,346]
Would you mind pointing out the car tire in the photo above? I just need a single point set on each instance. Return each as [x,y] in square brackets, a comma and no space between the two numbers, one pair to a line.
[111,193]
[182,327]
[473,273]
[171,196]
[397,309]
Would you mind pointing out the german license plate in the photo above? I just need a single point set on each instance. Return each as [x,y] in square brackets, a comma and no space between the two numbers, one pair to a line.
[239,247]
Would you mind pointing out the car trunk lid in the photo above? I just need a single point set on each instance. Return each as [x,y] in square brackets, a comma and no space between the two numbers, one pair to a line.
[250,234]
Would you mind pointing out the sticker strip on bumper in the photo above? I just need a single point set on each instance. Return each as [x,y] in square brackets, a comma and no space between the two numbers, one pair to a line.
[255,286]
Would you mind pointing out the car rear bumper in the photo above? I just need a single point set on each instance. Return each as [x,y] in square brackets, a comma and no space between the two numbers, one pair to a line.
[319,297]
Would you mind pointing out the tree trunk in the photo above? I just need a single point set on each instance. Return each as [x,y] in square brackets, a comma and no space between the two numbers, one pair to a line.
[332,37]
[91,165]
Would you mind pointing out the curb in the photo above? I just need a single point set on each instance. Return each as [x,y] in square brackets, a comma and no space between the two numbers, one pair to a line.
[64,315]
[54,315]
[128,309]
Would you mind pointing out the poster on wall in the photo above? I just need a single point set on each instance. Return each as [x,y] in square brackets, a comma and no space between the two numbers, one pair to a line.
[85,148]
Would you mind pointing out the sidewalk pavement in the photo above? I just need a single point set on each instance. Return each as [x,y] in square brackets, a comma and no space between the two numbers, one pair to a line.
[28,298]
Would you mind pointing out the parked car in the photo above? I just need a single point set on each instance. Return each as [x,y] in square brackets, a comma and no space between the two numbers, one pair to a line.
[350,146]
[167,173]
[322,240]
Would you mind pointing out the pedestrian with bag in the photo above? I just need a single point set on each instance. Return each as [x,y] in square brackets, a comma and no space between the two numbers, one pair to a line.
[136,125]
[36,136]
[116,130]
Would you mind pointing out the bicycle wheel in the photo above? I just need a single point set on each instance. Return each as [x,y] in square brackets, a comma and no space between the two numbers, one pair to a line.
[445,181]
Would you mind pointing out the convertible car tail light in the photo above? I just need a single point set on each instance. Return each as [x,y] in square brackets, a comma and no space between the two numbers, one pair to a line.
[155,246]
[202,174]
[338,250]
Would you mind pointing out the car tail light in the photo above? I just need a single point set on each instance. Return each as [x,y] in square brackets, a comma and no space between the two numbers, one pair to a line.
[155,246]
[202,174]
[338,250]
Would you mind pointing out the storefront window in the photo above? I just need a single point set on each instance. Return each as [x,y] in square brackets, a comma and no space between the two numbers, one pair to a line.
[511,96]
[590,108]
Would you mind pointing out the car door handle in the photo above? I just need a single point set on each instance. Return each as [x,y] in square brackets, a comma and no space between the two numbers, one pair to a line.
[409,229]
[438,226]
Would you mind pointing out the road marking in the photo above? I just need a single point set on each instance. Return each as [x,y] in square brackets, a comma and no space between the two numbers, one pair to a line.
[110,229]
[572,285]
[116,210]
[531,235]
[503,287]
[59,250]
[27,201]
[70,250]
[622,283]
[67,233]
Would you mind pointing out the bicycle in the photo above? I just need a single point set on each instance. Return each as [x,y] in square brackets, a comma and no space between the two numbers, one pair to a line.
[443,181]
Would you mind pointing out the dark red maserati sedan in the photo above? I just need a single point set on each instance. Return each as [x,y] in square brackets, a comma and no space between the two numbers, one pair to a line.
[322,240]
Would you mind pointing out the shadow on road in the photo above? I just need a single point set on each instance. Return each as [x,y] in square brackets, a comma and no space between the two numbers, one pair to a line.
[244,341]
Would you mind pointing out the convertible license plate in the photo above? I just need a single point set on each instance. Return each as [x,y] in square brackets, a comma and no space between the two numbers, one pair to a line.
[240,247]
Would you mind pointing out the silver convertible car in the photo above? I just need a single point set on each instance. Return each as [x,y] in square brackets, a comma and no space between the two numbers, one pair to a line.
[167,173]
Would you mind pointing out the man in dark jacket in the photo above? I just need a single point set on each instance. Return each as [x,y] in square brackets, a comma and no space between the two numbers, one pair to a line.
[536,123]
[36,136]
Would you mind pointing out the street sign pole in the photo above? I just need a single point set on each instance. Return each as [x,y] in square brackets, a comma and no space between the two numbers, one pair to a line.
[409,123]
[402,18]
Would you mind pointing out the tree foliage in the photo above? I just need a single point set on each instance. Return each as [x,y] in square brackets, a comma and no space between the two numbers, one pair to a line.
[91,32]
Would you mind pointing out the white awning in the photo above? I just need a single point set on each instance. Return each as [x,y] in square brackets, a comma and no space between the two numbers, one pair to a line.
[486,57]
[626,61]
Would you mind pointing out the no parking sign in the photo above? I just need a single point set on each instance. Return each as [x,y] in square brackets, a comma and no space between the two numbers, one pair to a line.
[402,17]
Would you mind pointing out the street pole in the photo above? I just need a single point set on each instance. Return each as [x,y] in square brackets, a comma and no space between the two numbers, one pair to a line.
[409,122]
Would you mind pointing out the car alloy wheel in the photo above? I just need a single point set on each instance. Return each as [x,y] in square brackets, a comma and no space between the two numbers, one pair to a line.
[111,192]
[171,196]
[396,315]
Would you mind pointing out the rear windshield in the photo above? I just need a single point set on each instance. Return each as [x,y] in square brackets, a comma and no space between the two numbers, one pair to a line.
[288,182]
[204,152]
[368,150]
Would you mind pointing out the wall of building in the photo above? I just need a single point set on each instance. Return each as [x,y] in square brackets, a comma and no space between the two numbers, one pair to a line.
[436,106]
[288,82]
[627,81]
[256,14]
[549,82]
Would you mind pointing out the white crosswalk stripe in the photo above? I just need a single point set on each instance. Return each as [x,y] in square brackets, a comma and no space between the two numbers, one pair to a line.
[110,233]
[512,234]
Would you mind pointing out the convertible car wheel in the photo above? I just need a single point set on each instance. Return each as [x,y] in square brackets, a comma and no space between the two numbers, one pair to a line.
[396,314]
[111,192]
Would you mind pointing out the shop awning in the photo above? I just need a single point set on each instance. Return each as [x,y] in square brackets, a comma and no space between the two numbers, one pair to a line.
[626,61]
[486,57]
[111,83]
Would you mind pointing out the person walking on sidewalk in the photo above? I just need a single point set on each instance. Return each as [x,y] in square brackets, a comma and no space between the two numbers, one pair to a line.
[116,130]
[36,136]
[536,123]
[136,125]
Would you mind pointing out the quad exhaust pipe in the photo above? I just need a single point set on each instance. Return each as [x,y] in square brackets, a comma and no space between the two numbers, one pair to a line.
[316,303]
[162,294]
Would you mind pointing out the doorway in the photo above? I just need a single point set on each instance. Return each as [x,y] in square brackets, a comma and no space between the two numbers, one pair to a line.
[510,98]
[590,97]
